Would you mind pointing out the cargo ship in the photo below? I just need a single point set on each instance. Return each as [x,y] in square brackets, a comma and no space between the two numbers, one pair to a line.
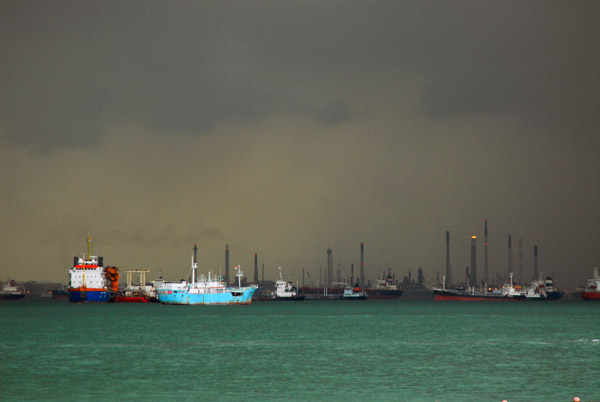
[9,290]
[91,282]
[508,292]
[384,289]
[592,288]
[209,290]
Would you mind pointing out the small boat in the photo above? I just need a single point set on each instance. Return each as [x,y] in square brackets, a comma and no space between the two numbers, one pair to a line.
[354,293]
[284,291]
[209,290]
[9,290]
[592,287]
[141,293]
[508,292]
[543,290]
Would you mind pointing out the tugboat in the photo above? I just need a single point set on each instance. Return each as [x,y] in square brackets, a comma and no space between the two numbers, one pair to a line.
[284,291]
[592,288]
[541,290]
[205,291]
[354,293]
[11,291]
[90,280]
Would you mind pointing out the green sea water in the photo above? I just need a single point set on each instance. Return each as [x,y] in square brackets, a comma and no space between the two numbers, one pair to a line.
[375,350]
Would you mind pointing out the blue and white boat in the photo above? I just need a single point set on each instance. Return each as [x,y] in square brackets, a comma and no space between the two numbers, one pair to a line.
[209,290]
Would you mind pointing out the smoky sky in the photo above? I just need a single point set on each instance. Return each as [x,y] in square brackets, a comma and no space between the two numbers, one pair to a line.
[285,128]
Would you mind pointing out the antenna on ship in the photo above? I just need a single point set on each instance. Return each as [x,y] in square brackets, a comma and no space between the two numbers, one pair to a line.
[239,275]
[194,264]
[89,245]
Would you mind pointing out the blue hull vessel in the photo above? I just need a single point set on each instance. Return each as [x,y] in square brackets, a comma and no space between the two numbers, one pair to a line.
[209,290]
[185,296]
[92,296]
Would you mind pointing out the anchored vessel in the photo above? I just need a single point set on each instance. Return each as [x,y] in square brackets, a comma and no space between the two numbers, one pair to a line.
[543,290]
[284,291]
[11,291]
[507,293]
[592,288]
[385,289]
[90,280]
[205,290]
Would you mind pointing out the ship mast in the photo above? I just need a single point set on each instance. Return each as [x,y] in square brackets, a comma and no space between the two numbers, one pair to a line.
[89,245]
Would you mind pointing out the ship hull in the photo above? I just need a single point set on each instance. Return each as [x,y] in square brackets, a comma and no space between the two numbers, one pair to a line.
[337,293]
[554,295]
[362,297]
[384,294]
[590,295]
[132,299]
[12,297]
[89,296]
[242,296]
[289,298]
[441,295]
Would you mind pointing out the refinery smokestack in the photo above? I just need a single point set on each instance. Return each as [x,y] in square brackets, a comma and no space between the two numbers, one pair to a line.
[255,268]
[195,257]
[362,264]
[535,262]
[448,274]
[485,250]
[509,256]
[474,260]
[329,273]
[227,264]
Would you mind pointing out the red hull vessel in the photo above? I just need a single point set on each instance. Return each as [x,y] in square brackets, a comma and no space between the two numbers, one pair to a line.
[132,299]
[592,288]
[455,297]
[590,295]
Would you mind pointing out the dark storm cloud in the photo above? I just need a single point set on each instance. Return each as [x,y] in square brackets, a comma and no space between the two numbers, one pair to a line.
[70,69]
[73,70]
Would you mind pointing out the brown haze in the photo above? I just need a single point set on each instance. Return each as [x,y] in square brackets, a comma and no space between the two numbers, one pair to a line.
[285,128]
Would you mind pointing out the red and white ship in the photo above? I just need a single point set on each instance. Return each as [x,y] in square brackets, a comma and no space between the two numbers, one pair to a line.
[592,288]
